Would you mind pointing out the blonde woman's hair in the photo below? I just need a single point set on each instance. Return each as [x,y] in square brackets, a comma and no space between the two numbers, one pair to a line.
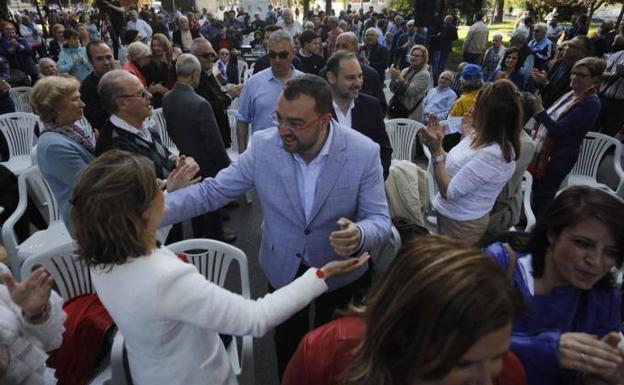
[137,50]
[423,50]
[439,297]
[49,94]
[107,207]
[166,44]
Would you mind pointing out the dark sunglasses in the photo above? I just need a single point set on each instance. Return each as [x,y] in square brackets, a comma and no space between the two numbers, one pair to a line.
[208,55]
[281,54]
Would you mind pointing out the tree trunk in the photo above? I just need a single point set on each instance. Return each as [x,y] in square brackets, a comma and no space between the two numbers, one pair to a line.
[499,11]
[306,8]
[593,7]
[44,23]
[619,19]
[328,7]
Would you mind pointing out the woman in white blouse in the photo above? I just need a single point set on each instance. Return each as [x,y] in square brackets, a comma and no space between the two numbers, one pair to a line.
[169,314]
[472,174]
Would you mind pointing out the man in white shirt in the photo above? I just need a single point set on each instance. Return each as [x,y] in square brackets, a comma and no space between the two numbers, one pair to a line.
[356,110]
[145,31]
[289,24]
[439,100]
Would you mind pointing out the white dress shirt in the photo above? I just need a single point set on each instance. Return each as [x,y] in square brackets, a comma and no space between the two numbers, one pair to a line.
[144,133]
[344,119]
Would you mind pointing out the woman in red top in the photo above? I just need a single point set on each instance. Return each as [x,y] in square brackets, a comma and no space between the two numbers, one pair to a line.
[442,314]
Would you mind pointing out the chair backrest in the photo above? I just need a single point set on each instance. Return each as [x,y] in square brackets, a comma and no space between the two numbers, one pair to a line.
[527,187]
[71,276]
[248,73]
[20,97]
[231,113]
[120,369]
[402,134]
[213,259]
[242,68]
[161,125]
[19,130]
[592,151]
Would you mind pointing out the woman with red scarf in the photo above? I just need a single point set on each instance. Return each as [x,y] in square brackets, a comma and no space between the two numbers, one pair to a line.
[559,131]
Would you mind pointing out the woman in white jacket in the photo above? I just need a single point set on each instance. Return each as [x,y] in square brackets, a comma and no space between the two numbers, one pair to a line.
[169,314]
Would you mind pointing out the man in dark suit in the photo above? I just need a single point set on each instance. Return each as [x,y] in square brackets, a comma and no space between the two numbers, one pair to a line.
[354,109]
[192,126]
[372,85]
[377,55]
[102,61]
[210,89]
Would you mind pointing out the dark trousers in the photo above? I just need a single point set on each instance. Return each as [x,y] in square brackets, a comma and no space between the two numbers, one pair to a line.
[209,225]
[472,58]
[291,332]
[611,116]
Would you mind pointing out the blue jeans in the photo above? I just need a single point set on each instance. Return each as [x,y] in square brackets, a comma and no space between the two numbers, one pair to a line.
[442,62]
[434,57]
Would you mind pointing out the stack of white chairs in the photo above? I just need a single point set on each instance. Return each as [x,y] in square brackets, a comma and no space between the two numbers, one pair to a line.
[213,259]
[18,128]
[20,96]
[243,67]
[161,125]
[593,150]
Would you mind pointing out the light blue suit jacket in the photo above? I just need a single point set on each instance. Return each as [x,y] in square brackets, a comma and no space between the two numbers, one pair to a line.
[350,185]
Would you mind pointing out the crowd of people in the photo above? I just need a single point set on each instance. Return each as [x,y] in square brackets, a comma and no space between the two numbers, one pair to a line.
[472,304]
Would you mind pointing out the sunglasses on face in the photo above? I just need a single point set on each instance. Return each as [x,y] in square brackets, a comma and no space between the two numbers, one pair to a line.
[281,54]
[208,55]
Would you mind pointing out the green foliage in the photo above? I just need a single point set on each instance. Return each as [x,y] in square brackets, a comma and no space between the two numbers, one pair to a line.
[402,6]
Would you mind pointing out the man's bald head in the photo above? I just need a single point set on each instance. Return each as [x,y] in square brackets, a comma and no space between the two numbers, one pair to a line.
[347,41]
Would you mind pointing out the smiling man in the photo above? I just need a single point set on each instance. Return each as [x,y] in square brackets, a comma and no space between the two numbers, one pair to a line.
[320,185]
[354,109]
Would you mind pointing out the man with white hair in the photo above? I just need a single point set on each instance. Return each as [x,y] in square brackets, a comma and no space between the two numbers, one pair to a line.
[47,67]
[541,46]
[192,127]
[289,24]
[377,55]
[140,25]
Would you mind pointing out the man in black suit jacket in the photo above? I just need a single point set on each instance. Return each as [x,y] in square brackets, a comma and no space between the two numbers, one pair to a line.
[372,85]
[377,55]
[354,109]
[102,61]
[192,126]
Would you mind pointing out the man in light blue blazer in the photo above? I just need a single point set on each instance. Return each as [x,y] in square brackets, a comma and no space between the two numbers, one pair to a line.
[321,188]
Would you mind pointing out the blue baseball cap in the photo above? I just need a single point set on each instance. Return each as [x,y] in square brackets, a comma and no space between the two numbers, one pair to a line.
[471,72]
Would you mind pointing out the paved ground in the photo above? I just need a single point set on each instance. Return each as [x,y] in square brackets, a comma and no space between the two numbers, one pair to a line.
[245,221]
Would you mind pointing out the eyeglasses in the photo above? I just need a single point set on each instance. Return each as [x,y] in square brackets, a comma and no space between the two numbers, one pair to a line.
[281,54]
[580,75]
[292,124]
[144,93]
[208,55]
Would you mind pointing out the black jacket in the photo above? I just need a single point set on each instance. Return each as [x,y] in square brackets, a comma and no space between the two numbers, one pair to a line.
[93,110]
[368,119]
[192,127]
[210,90]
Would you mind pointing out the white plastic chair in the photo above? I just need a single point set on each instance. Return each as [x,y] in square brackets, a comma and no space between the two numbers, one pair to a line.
[18,129]
[120,369]
[386,90]
[592,152]
[527,187]
[213,259]
[20,97]
[55,234]
[3,268]
[161,125]
[242,68]
[71,276]
[402,134]
[233,150]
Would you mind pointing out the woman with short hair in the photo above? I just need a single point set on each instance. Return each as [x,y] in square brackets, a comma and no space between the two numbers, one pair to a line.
[64,148]
[139,57]
[473,173]
[569,331]
[559,131]
[511,69]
